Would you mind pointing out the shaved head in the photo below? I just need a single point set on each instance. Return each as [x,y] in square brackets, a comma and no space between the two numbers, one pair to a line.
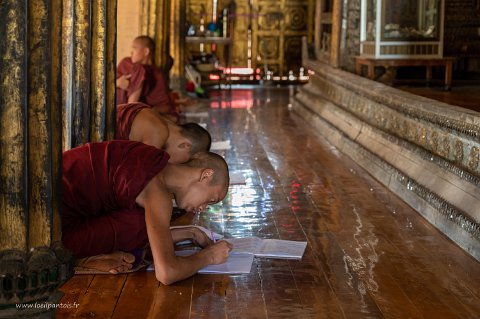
[198,136]
[147,42]
[215,162]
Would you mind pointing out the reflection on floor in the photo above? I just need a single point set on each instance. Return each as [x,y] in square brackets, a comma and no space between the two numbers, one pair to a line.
[368,256]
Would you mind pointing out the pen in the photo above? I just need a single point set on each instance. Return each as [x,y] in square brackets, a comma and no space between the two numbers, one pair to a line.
[213,237]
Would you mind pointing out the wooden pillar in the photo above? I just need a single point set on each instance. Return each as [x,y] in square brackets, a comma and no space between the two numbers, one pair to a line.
[336,33]
[89,32]
[177,44]
[57,91]
[155,22]
[32,262]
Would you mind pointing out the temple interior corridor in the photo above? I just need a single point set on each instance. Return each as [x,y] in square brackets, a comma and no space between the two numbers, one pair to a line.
[369,255]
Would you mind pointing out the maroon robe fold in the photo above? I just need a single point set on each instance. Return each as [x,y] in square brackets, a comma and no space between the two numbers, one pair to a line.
[101,182]
[126,113]
[155,91]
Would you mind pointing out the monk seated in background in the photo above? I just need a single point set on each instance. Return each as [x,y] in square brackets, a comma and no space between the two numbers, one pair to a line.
[117,198]
[139,80]
[138,122]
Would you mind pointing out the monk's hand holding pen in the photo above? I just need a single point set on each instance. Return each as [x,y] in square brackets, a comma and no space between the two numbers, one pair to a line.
[218,252]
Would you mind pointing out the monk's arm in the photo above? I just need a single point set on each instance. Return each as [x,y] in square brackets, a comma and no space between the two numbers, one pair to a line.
[191,233]
[168,267]
[123,82]
[135,96]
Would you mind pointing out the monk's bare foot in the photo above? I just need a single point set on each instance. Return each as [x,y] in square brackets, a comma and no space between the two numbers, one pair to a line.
[116,262]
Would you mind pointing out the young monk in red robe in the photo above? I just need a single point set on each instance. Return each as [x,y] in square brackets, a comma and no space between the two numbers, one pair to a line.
[138,122]
[117,197]
[139,80]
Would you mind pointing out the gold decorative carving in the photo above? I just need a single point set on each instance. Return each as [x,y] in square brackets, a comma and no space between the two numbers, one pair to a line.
[270,18]
[30,122]
[103,71]
[155,22]
[286,20]
[446,147]
[241,35]
[458,151]
[269,47]
[434,142]
[296,17]
[473,158]
[177,44]
[405,127]
[13,171]
[40,222]
[88,71]
[412,131]
[423,136]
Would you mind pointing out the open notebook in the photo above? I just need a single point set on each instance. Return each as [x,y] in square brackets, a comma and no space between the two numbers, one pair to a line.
[268,248]
[236,263]
[244,250]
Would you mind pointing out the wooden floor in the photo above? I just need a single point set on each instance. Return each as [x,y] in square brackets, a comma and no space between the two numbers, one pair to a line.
[467,95]
[369,255]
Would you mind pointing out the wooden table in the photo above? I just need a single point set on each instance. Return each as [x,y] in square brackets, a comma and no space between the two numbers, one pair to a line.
[371,63]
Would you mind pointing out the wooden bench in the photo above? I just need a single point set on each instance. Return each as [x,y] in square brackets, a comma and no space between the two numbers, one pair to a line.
[371,63]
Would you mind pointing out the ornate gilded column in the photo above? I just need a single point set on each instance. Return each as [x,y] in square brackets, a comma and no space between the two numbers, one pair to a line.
[155,22]
[32,262]
[57,91]
[177,44]
[88,76]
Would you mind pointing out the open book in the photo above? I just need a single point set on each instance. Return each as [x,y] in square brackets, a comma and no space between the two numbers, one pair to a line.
[268,248]
[236,263]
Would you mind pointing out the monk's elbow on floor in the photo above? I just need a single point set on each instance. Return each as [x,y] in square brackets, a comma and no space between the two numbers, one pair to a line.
[165,277]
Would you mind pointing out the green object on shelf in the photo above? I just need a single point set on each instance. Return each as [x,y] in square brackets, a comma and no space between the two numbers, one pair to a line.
[199,90]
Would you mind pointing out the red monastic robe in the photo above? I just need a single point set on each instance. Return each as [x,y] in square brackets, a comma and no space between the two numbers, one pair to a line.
[155,91]
[101,182]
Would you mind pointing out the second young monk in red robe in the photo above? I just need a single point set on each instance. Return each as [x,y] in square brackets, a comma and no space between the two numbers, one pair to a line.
[117,197]
[138,122]
[139,80]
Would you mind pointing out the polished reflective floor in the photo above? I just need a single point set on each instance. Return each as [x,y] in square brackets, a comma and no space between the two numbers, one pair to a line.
[369,255]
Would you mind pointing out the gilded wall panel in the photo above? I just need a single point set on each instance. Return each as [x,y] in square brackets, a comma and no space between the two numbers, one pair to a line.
[88,71]
[30,151]
[296,17]
[155,22]
[269,48]
[50,65]
[177,44]
[287,20]
[13,117]
[241,21]
[270,22]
